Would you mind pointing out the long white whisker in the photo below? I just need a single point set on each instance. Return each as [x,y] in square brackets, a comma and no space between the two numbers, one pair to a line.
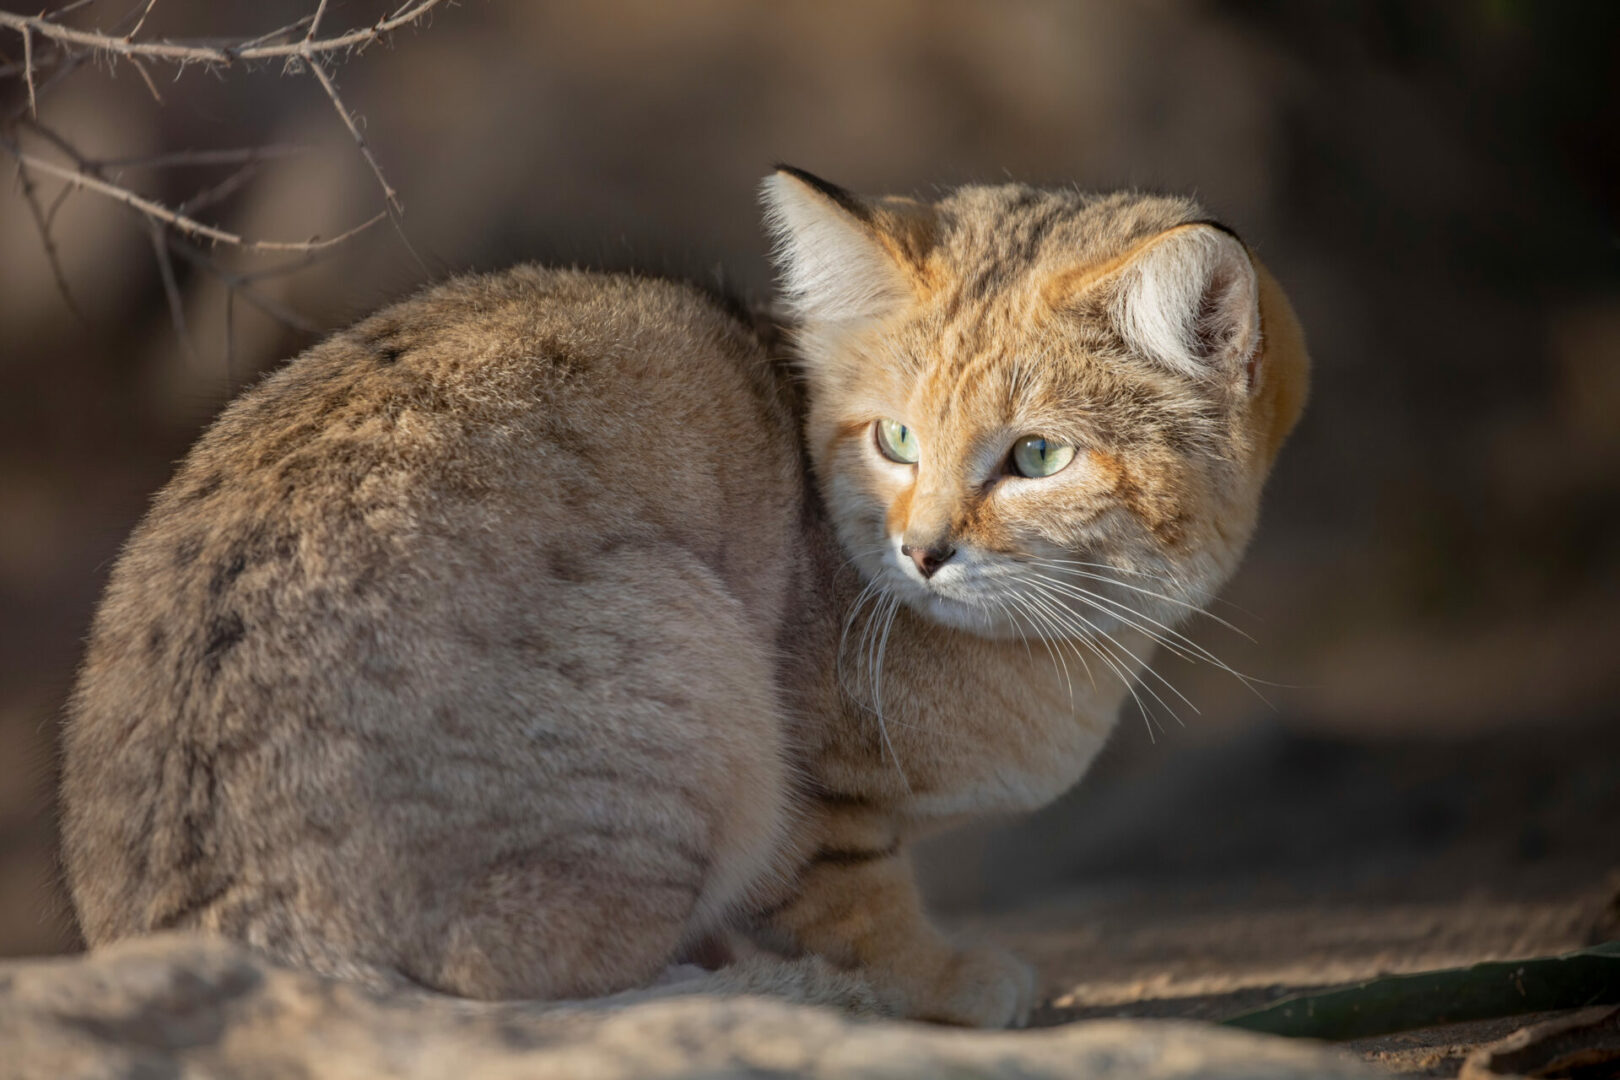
[1125,678]
[1070,569]
[1051,622]
[1107,644]
[1129,615]
[1040,622]
[877,690]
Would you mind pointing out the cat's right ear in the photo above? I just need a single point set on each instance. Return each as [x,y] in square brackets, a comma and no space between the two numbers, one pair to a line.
[843,259]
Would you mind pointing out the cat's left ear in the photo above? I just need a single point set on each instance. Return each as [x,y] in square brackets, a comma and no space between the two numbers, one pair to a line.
[1190,300]
[843,258]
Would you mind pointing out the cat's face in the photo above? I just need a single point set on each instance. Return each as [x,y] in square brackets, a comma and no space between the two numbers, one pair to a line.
[1036,412]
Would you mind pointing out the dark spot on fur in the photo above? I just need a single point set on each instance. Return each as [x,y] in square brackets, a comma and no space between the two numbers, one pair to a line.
[576,674]
[853,856]
[842,798]
[564,566]
[203,488]
[224,633]
[200,794]
[187,550]
[156,638]
[226,574]
[389,354]
[564,362]
[193,906]
[771,911]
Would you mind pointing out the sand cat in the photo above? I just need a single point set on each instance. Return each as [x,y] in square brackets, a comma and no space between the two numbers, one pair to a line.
[541,627]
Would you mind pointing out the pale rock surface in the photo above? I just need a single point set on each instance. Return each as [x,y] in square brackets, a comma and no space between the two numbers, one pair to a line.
[186,1006]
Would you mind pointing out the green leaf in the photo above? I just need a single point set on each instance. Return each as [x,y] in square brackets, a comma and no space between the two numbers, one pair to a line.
[1426,999]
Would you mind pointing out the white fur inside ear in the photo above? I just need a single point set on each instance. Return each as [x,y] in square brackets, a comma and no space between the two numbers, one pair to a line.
[1192,303]
[833,269]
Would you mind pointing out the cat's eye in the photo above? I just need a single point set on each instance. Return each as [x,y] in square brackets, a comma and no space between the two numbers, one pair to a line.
[898,442]
[1036,456]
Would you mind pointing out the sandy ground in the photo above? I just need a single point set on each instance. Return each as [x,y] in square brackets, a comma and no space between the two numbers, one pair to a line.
[1214,953]
[1229,875]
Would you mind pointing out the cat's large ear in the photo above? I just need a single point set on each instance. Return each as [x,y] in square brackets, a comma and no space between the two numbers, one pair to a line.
[1190,301]
[843,259]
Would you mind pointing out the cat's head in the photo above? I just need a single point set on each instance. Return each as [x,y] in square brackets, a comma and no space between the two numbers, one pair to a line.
[1036,410]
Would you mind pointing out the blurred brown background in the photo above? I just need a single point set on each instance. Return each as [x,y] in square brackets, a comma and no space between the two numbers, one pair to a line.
[1436,184]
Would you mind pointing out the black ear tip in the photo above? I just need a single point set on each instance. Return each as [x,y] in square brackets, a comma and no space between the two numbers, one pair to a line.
[1218,226]
[843,198]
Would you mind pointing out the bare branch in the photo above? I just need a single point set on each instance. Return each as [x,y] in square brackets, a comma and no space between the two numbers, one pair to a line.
[42,222]
[171,287]
[235,156]
[243,284]
[315,22]
[181,52]
[179,221]
[67,66]
[272,35]
[230,339]
[67,9]
[140,22]
[147,78]
[177,231]
[211,196]
[359,140]
[28,71]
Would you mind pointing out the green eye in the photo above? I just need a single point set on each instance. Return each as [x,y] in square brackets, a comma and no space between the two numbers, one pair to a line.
[898,442]
[1034,456]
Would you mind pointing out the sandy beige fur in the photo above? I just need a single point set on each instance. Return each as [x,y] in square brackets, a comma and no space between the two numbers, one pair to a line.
[523,638]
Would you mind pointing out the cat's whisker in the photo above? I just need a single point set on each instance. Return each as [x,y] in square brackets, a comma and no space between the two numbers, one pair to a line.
[1125,678]
[1069,568]
[1128,615]
[1183,646]
[1168,579]
[877,690]
[1057,660]
[868,592]
[1107,645]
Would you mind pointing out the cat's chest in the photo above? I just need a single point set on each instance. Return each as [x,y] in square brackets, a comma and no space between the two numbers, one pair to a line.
[954,728]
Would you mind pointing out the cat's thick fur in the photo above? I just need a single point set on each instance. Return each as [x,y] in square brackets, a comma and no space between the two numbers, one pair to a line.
[536,629]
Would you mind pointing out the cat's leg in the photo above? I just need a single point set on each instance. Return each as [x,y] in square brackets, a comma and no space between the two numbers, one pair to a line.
[858,907]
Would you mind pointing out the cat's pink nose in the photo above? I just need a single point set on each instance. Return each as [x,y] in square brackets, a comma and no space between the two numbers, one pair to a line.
[928,559]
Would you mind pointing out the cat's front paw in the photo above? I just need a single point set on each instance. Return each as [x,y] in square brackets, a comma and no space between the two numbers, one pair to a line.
[984,986]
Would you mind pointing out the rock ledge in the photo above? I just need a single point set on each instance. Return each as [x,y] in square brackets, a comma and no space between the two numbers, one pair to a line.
[193,1006]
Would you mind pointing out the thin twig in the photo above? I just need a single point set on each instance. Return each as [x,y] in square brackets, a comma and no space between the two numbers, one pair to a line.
[171,287]
[176,230]
[230,339]
[359,140]
[233,156]
[68,9]
[28,71]
[315,22]
[147,78]
[242,284]
[272,35]
[181,52]
[180,221]
[42,222]
[140,22]
[218,193]
[68,66]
